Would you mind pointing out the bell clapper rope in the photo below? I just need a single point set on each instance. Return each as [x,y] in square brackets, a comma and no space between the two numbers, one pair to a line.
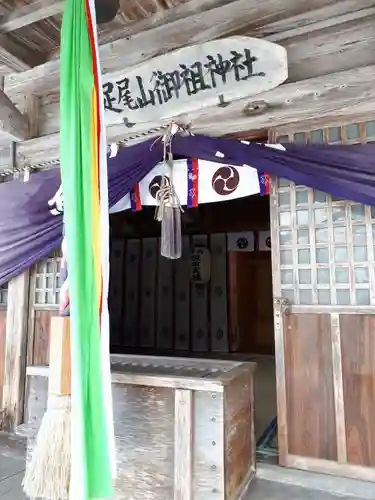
[168,209]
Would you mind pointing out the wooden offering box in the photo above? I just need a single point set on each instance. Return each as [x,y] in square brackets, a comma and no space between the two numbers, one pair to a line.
[184,427]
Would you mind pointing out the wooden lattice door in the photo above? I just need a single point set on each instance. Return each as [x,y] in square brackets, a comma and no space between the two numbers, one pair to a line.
[324,305]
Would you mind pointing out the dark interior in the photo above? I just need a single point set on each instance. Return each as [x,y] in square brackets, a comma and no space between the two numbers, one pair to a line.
[157,309]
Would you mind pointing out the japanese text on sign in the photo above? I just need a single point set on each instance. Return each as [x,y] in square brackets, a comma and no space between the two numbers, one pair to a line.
[187,79]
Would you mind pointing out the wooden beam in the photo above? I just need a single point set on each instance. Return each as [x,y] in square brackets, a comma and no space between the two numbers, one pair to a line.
[320,53]
[31,13]
[7,56]
[134,49]
[12,122]
[328,98]
[180,11]
[341,12]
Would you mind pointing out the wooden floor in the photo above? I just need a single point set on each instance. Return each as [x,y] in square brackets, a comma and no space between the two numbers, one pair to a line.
[10,486]
[11,479]
[12,465]
[262,489]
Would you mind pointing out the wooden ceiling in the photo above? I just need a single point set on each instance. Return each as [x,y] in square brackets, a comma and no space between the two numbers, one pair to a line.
[30,29]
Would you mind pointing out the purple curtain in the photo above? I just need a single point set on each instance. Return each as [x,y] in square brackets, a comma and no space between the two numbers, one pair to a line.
[346,172]
[29,231]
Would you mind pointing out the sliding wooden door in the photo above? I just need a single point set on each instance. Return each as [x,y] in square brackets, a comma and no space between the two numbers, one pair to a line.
[324,307]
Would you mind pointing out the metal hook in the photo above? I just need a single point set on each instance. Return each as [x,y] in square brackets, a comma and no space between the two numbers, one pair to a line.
[127,123]
[222,102]
[255,108]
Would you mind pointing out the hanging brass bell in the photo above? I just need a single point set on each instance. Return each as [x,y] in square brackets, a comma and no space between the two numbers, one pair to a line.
[106,10]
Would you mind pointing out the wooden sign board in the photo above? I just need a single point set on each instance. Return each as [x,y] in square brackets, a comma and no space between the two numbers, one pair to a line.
[192,78]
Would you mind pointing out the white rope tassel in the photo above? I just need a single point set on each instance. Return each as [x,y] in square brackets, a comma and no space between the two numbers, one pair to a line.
[168,210]
[48,472]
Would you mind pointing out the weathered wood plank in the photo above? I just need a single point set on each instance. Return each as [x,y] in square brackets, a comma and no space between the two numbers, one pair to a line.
[149,262]
[310,406]
[331,97]
[164,299]
[131,287]
[110,33]
[59,382]
[321,53]
[331,49]
[116,290]
[183,444]
[240,445]
[182,298]
[12,122]
[30,13]
[246,78]
[31,110]
[8,57]
[340,12]
[199,330]
[338,388]
[218,293]
[41,335]
[134,49]
[15,351]
[174,13]
[358,382]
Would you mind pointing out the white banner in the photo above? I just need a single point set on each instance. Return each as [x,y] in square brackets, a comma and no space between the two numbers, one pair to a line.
[211,182]
[264,241]
[241,242]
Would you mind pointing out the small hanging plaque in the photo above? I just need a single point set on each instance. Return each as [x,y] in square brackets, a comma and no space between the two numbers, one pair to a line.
[200,262]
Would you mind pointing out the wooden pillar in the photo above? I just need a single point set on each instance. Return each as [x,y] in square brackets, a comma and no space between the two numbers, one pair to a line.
[17,317]
[15,351]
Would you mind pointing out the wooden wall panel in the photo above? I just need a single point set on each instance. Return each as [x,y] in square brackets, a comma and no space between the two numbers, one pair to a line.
[239,435]
[199,309]
[162,309]
[218,293]
[250,302]
[309,386]
[182,299]
[150,251]
[131,297]
[164,297]
[116,286]
[358,369]
[233,312]
[42,328]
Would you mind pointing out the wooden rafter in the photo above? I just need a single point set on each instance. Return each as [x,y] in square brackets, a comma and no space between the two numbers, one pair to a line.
[161,17]
[215,23]
[31,13]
